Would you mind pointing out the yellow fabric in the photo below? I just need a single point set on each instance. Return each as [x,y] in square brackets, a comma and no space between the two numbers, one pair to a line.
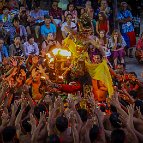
[72,46]
[96,71]
[101,72]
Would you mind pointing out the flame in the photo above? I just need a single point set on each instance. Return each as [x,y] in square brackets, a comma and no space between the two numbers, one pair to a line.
[55,51]
[49,56]
[51,60]
[61,52]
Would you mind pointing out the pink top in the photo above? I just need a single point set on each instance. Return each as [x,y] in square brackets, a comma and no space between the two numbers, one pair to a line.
[139,45]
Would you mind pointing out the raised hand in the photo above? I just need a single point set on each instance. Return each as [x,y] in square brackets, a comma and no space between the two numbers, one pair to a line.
[35,60]
[14,107]
[13,62]
[23,72]
[5,118]
[41,69]
[131,109]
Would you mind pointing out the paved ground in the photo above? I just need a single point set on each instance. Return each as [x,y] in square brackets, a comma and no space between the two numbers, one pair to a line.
[132,64]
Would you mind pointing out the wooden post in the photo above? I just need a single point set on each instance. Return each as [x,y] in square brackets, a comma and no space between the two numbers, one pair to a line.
[115,12]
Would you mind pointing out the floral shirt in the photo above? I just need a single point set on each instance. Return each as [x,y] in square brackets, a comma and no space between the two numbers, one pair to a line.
[125,27]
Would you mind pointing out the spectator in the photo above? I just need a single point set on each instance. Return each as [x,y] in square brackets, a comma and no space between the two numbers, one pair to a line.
[17,29]
[102,24]
[126,26]
[31,47]
[103,8]
[16,49]
[117,45]
[3,50]
[71,9]
[3,32]
[49,44]
[56,13]
[139,49]
[48,27]
[36,19]
[68,26]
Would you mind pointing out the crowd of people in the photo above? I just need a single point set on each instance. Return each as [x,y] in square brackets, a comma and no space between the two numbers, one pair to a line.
[88,96]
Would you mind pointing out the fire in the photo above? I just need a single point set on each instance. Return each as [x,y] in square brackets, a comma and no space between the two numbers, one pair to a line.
[61,52]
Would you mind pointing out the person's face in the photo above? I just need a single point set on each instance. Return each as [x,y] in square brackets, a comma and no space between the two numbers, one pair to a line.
[71,7]
[36,9]
[50,36]
[37,77]
[17,40]
[31,40]
[55,5]
[1,43]
[97,59]
[22,9]
[101,34]
[88,4]
[124,6]
[116,34]
[16,23]
[100,17]
[69,18]
[47,21]
[103,3]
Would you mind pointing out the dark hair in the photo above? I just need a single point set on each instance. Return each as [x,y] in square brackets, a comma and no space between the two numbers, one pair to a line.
[83,114]
[118,136]
[26,126]
[8,133]
[53,139]
[61,123]
[69,5]
[54,1]
[30,36]
[114,120]
[47,16]
[16,36]
[93,133]
[68,15]
[15,19]
[38,109]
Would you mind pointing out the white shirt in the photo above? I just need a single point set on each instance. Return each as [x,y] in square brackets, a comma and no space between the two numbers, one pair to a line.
[72,26]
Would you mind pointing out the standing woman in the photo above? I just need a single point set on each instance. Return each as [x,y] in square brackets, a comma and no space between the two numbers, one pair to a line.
[102,24]
[117,45]
[71,10]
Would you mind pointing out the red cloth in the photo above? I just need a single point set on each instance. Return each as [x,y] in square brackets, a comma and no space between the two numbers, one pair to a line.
[132,38]
[70,88]
[139,45]
[103,26]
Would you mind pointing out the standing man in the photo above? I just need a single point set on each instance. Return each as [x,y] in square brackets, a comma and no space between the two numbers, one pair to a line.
[126,27]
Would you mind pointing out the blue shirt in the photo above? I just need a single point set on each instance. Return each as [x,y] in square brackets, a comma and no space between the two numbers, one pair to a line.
[3,52]
[45,31]
[125,27]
